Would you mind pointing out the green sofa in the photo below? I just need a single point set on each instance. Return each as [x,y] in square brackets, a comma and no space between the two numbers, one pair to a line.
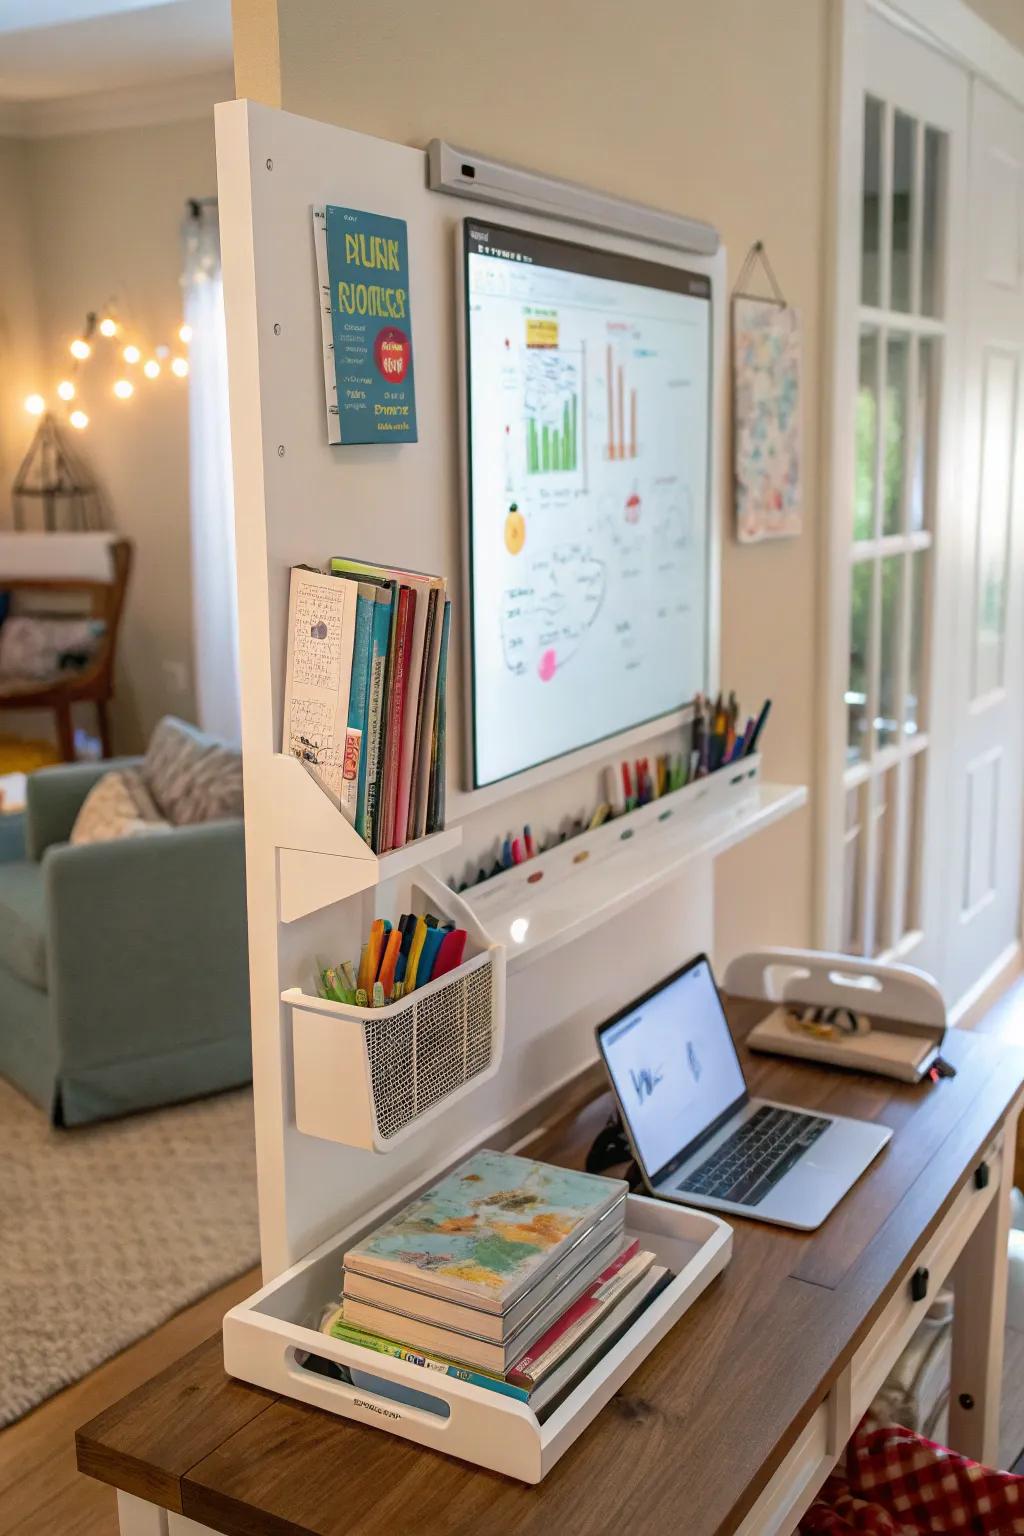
[123,965]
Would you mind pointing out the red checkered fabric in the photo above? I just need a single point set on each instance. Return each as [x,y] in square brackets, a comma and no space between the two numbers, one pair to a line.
[898,1484]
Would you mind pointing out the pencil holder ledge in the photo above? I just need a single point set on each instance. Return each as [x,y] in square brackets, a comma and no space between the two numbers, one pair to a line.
[371,1077]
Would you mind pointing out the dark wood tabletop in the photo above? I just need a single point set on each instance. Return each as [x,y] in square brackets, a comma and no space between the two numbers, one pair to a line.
[688,1442]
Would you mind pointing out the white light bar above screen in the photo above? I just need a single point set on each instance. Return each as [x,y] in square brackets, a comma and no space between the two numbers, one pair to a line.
[464,173]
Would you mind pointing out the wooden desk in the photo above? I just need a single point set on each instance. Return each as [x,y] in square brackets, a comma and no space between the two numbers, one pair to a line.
[729,1426]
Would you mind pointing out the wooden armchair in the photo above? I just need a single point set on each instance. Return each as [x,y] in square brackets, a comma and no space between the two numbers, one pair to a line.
[94,681]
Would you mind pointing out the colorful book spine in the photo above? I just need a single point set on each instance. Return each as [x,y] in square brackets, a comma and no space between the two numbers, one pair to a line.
[395,715]
[366,815]
[352,1335]
[354,765]
[576,1321]
[438,752]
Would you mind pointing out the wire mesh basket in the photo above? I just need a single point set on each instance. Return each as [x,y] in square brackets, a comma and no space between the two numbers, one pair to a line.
[369,1077]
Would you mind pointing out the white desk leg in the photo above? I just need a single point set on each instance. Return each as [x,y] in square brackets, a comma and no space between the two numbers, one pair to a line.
[979,1322]
[137,1517]
[181,1525]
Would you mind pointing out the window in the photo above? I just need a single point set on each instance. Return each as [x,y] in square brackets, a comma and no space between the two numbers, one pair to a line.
[899,367]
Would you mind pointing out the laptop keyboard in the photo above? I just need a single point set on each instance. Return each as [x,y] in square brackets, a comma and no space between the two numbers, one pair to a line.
[753,1159]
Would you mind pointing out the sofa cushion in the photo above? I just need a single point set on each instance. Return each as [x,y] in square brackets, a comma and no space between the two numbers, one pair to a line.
[118,805]
[190,776]
[23,922]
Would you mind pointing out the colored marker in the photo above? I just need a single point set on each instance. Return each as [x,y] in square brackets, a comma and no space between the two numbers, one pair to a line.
[506,853]
[517,851]
[759,727]
[528,840]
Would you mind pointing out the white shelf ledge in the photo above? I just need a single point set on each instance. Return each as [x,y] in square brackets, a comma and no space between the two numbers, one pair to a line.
[321,857]
[563,893]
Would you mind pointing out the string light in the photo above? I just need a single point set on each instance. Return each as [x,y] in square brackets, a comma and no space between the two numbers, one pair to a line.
[179,366]
[35,405]
[108,327]
[79,420]
[131,354]
[124,389]
[185,333]
[66,389]
[151,368]
[80,348]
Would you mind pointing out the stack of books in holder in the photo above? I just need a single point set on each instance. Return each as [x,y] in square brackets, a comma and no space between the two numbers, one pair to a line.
[510,1274]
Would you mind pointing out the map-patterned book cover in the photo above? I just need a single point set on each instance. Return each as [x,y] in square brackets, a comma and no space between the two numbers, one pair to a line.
[488,1231]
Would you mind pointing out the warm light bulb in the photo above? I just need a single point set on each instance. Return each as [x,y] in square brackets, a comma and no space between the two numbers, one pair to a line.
[151,368]
[179,366]
[66,389]
[79,420]
[80,348]
[108,327]
[185,334]
[131,354]
[124,389]
[35,405]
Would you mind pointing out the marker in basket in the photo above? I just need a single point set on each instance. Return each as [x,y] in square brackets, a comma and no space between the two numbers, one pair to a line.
[449,955]
[428,955]
[378,995]
[416,949]
[386,978]
[529,843]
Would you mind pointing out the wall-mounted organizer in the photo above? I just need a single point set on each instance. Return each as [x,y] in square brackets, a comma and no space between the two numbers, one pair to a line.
[371,1077]
[321,857]
[267,1337]
[562,893]
[323,1094]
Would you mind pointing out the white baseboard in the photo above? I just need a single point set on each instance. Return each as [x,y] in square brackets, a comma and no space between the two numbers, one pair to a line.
[976,1001]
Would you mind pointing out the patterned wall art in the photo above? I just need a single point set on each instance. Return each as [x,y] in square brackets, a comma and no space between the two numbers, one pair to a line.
[766,412]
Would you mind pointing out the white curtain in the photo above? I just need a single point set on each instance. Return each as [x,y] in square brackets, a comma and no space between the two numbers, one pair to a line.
[214,597]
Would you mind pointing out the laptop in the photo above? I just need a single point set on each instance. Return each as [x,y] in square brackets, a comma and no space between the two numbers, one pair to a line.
[697,1135]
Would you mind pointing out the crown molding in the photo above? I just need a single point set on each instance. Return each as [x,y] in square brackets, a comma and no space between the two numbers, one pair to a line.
[134,106]
[957,30]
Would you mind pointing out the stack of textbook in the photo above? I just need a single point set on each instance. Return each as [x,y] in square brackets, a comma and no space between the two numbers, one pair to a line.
[511,1274]
[365,695]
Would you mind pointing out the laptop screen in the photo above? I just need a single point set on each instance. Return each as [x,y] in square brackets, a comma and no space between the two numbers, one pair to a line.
[674,1067]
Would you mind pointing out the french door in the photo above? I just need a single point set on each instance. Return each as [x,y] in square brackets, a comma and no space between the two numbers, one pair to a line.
[986,686]
[901,577]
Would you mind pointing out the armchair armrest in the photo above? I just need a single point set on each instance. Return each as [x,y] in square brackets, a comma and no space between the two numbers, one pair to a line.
[54,798]
[147,943]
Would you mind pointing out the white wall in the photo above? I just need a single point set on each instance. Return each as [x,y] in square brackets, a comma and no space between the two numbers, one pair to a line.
[19,330]
[104,211]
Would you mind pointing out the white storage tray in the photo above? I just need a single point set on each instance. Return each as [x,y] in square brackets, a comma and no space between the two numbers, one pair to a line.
[371,1077]
[265,1337]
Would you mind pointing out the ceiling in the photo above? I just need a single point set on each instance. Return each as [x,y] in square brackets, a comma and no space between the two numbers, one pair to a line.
[54,49]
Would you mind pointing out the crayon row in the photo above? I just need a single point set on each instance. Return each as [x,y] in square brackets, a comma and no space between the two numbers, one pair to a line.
[394,962]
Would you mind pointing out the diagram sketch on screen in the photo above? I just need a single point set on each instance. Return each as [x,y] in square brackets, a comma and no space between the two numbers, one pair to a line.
[589,420]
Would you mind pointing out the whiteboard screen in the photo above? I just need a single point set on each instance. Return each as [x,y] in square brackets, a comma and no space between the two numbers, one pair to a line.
[588,390]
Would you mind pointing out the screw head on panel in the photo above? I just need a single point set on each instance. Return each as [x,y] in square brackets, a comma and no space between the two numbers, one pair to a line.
[277,327]
[280,450]
[270,164]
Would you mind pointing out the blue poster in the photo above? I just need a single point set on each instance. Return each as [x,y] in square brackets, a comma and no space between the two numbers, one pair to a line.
[371,323]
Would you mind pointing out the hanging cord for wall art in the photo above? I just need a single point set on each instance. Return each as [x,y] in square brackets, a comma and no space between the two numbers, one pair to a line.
[758,254]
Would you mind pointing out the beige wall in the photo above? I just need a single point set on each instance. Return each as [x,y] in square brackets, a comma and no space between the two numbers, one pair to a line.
[19,332]
[1007,16]
[713,110]
[106,210]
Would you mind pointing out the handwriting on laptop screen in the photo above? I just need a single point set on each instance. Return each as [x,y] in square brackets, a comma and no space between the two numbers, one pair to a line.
[674,1066]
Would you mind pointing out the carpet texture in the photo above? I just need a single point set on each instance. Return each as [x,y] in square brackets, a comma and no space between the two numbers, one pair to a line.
[107,1231]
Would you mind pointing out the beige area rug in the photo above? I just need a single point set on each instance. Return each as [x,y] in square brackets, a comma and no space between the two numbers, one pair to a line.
[107,1231]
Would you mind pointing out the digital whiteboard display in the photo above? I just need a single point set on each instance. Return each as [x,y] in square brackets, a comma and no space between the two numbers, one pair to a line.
[589,399]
